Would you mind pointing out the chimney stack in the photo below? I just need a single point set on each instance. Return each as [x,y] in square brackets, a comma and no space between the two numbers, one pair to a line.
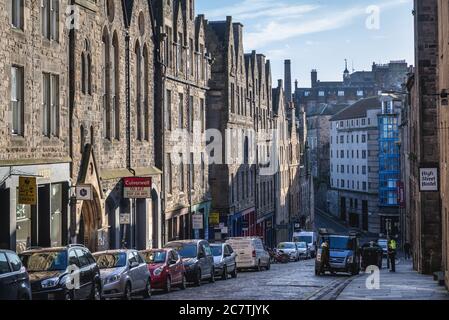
[288,81]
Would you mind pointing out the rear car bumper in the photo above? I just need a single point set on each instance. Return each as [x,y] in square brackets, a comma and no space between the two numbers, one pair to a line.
[54,294]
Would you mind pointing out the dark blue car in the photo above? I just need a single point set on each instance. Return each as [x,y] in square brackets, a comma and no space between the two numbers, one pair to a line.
[14,280]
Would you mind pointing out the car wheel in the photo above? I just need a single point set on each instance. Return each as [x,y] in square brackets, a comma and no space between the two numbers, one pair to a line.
[234,272]
[198,278]
[224,276]
[167,285]
[147,291]
[96,292]
[212,276]
[127,293]
[68,296]
[183,285]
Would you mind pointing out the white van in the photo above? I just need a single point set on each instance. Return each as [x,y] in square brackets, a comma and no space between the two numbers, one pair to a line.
[308,237]
[250,253]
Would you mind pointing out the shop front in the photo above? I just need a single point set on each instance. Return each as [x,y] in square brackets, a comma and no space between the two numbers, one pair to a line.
[34,206]
[204,210]
[243,224]
[264,229]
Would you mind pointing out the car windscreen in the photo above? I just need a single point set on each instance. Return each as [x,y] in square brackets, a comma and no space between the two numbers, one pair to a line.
[307,239]
[301,245]
[338,243]
[45,261]
[286,246]
[155,256]
[185,250]
[111,260]
[216,251]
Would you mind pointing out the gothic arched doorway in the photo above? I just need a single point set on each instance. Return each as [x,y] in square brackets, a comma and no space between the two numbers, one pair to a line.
[89,224]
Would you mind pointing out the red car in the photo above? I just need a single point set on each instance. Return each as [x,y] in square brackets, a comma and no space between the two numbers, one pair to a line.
[166,269]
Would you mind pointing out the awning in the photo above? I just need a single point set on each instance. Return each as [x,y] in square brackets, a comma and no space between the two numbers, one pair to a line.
[111,174]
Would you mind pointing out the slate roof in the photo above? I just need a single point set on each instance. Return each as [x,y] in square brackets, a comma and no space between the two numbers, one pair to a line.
[358,109]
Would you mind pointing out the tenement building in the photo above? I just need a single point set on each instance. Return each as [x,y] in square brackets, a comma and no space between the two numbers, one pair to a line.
[365,165]
[443,133]
[34,125]
[183,80]
[232,170]
[423,205]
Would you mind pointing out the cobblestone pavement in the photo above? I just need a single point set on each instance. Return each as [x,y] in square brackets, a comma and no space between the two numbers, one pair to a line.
[404,284]
[292,281]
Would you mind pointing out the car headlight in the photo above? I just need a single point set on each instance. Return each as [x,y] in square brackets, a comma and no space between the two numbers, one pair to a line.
[350,259]
[50,283]
[158,271]
[113,279]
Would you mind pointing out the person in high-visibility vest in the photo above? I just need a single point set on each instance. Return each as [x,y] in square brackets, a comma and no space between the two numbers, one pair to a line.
[392,254]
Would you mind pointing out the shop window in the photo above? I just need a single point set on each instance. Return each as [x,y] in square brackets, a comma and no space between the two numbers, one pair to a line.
[23,227]
[56,215]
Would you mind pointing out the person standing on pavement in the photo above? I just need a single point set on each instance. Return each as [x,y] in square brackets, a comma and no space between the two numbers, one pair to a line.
[407,250]
[325,257]
[392,254]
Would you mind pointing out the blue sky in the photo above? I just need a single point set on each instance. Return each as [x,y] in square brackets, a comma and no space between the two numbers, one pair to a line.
[321,34]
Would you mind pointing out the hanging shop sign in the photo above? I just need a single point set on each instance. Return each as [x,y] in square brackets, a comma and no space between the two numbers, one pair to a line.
[84,192]
[214,219]
[137,188]
[428,179]
[401,194]
[197,221]
[27,191]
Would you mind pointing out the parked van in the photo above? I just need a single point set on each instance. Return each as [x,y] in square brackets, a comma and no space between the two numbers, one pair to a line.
[308,237]
[251,253]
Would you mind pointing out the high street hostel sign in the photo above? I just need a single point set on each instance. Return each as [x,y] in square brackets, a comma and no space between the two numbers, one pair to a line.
[137,188]
[428,179]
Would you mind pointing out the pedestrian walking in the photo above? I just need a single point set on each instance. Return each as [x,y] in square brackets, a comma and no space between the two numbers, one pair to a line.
[392,254]
[407,250]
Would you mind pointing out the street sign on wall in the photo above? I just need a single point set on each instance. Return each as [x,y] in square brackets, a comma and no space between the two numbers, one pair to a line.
[84,192]
[197,221]
[214,219]
[401,194]
[136,188]
[125,218]
[428,179]
[27,191]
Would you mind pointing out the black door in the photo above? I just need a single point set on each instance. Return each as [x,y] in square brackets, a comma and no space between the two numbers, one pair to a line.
[5,241]
[8,280]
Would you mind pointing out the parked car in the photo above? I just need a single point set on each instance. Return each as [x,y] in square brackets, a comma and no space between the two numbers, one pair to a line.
[224,260]
[371,254]
[197,259]
[14,279]
[251,253]
[310,237]
[69,273]
[123,273]
[303,249]
[290,249]
[166,269]
[383,243]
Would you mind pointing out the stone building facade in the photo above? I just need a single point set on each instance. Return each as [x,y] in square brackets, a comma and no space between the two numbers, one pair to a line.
[424,208]
[111,114]
[232,174]
[443,133]
[34,122]
[184,81]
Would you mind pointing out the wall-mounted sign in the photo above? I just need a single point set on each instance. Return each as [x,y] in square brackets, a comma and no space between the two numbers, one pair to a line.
[214,219]
[224,230]
[136,188]
[125,218]
[27,191]
[401,194]
[84,192]
[428,179]
[197,221]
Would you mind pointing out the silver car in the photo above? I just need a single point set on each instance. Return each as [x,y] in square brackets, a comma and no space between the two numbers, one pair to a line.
[123,273]
[303,249]
[224,260]
[290,249]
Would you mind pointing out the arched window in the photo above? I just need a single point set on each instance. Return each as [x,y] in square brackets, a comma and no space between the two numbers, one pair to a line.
[139,92]
[82,139]
[115,89]
[106,85]
[83,73]
[146,107]
[86,69]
